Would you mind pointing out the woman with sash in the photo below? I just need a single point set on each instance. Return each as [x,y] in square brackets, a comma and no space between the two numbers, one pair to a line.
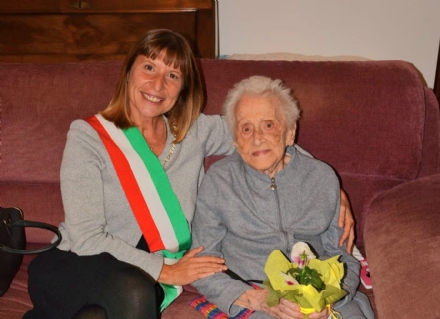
[129,180]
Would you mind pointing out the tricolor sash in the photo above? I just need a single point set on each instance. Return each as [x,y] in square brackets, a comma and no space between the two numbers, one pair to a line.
[149,193]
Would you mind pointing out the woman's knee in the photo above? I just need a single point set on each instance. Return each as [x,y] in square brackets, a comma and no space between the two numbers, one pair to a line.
[133,281]
[130,293]
[91,312]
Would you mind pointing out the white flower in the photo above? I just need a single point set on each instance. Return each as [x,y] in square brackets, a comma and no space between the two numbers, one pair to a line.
[289,279]
[301,254]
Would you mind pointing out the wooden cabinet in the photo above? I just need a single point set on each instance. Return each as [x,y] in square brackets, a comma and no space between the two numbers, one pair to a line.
[69,30]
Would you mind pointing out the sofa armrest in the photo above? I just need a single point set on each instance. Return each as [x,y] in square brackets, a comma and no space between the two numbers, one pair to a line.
[402,244]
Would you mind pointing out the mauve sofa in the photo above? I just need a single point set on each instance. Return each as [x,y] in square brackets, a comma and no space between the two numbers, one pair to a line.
[373,121]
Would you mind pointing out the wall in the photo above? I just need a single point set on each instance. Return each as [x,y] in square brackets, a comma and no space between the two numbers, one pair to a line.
[375,29]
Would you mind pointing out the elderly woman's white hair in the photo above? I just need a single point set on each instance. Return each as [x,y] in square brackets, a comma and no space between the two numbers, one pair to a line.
[261,85]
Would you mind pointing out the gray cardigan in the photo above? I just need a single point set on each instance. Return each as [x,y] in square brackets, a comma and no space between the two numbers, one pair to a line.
[98,217]
[246,220]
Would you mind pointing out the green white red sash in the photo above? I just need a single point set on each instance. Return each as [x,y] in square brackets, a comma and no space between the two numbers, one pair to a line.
[149,193]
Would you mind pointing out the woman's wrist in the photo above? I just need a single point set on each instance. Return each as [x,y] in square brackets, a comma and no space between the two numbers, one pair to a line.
[164,276]
[252,299]
[243,300]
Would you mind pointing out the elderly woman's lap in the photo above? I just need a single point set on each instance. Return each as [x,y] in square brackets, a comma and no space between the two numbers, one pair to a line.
[356,308]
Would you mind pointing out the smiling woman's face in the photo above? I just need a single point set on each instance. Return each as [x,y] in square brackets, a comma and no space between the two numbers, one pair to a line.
[153,88]
[261,133]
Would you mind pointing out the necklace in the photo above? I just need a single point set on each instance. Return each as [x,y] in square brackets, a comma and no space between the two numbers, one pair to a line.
[169,155]
[160,139]
[172,149]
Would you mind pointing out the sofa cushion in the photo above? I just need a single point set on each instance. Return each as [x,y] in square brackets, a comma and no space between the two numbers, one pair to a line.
[402,241]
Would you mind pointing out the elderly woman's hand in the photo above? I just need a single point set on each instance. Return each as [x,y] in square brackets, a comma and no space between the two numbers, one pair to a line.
[289,310]
[191,268]
[256,300]
[319,315]
[346,220]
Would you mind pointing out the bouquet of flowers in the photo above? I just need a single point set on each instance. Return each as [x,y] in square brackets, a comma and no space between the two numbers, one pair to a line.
[311,283]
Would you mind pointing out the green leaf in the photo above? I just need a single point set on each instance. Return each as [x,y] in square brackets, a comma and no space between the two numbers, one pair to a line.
[267,283]
[316,281]
[307,276]
[293,271]
[273,298]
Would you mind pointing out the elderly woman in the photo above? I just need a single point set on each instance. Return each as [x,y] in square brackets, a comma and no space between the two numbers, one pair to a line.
[268,197]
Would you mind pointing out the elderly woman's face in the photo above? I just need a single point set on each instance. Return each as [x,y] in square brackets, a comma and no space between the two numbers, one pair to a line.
[261,133]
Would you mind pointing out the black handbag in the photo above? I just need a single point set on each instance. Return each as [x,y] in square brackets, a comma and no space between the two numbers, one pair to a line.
[13,243]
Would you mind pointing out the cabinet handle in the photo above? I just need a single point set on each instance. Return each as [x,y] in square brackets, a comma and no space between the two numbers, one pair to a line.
[80,5]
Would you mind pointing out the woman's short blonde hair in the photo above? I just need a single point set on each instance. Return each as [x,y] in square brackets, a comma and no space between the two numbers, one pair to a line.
[261,85]
[178,53]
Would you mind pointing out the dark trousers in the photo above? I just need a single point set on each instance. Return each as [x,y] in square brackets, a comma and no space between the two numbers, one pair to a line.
[64,285]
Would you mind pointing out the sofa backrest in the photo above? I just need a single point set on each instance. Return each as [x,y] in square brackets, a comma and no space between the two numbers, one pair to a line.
[366,119]
[38,102]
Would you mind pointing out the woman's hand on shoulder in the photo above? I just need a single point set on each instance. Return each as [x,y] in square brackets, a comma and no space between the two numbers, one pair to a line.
[191,268]
[346,220]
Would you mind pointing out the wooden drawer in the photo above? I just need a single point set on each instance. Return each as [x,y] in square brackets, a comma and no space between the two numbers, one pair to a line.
[63,30]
